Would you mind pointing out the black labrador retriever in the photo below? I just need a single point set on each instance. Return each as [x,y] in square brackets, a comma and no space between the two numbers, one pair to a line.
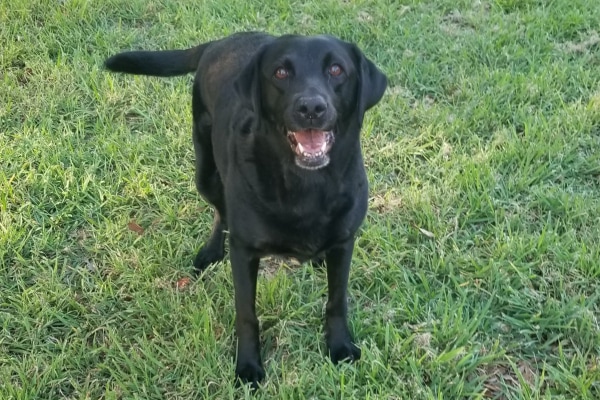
[276,134]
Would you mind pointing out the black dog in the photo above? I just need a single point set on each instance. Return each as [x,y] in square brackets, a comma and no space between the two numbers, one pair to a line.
[276,133]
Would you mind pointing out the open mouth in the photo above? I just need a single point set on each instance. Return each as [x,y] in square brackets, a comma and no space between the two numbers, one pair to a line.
[311,147]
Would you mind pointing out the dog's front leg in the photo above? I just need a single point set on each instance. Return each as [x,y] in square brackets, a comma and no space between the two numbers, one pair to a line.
[244,266]
[339,339]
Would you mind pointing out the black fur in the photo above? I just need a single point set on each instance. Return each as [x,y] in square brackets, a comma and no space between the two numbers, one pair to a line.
[270,196]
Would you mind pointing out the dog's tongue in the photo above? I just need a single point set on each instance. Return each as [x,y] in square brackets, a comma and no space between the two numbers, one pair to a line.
[311,140]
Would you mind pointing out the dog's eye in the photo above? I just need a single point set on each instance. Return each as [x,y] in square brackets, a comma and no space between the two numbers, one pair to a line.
[335,70]
[281,73]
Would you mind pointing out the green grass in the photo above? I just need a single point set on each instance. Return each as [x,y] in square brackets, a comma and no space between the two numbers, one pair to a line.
[477,271]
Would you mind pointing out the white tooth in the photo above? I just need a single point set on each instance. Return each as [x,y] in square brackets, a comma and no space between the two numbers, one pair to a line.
[324,146]
[300,148]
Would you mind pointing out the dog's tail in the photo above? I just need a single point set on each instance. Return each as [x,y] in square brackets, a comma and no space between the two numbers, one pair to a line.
[157,63]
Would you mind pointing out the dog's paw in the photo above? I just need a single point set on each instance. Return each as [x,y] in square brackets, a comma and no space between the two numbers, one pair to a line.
[343,350]
[249,372]
[205,257]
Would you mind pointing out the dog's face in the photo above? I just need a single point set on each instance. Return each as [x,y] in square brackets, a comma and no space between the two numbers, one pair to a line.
[311,88]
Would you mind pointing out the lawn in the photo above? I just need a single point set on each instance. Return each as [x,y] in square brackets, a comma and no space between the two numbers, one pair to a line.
[477,271]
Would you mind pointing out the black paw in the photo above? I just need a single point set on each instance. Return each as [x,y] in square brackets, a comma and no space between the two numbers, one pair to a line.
[205,257]
[249,372]
[343,350]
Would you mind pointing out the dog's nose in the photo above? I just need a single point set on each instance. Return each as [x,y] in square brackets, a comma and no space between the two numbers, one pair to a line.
[311,107]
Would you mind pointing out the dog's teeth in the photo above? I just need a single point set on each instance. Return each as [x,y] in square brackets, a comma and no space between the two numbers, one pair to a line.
[301,148]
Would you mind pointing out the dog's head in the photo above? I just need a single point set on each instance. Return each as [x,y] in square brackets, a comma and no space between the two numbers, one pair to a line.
[311,89]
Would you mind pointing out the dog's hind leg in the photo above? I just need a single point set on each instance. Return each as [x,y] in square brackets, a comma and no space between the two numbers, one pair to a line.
[209,185]
[213,250]
[211,188]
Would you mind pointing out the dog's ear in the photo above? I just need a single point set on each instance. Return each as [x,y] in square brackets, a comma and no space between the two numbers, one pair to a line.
[247,84]
[371,83]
